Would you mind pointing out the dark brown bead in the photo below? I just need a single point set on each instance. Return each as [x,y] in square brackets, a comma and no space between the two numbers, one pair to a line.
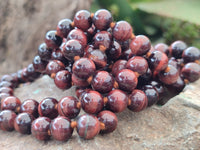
[31,73]
[109,119]
[48,108]
[68,107]
[79,35]
[124,44]
[54,66]
[159,88]
[151,93]
[118,65]
[83,20]
[72,48]
[61,128]
[158,61]
[177,87]
[7,118]
[177,48]
[138,101]
[10,103]
[30,106]
[52,40]
[137,64]
[40,128]
[191,54]
[145,78]
[44,52]
[102,38]
[63,79]
[140,45]
[58,55]
[114,52]
[99,58]
[173,62]
[39,64]
[122,31]
[127,54]
[6,90]
[162,47]
[79,82]
[92,102]
[64,27]
[23,122]
[102,19]
[6,84]
[84,68]
[126,79]
[88,126]
[169,77]
[117,101]
[102,82]
[191,71]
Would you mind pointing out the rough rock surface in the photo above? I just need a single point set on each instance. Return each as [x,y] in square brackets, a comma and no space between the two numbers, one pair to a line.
[23,25]
[174,126]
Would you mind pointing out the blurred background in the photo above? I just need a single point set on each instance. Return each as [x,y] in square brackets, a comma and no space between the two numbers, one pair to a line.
[23,23]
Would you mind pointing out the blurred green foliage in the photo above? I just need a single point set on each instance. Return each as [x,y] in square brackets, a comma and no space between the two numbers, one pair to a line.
[161,20]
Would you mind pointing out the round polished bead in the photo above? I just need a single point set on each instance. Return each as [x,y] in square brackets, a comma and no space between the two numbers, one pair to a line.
[140,45]
[126,79]
[138,101]
[92,102]
[191,54]
[159,88]
[7,118]
[158,61]
[115,51]
[6,90]
[102,19]
[79,82]
[61,128]
[72,48]
[102,38]
[137,64]
[145,78]
[84,68]
[40,128]
[63,79]
[30,106]
[44,52]
[122,31]
[38,64]
[118,65]
[3,96]
[79,35]
[177,87]
[23,122]
[177,48]
[151,93]
[31,73]
[64,27]
[58,55]
[191,71]
[48,108]
[83,20]
[6,84]
[68,107]
[102,82]
[9,78]
[109,119]
[10,103]
[88,126]
[162,47]
[52,40]
[54,66]
[117,101]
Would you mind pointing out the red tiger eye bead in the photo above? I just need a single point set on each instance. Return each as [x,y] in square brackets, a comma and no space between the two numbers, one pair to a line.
[191,54]
[30,106]
[38,64]
[23,122]
[88,126]
[118,65]
[138,101]
[102,38]
[7,118]
[79,35]
[44,52]
[3,96]
[48,108]
[64,27]
[177,48]
[63,79]
[10,103]
[40,128]
[162,47]
[52,40]
[54,66]
[122,31]
[109,119]
[140,45]
[117,101]
[79,82]
[115,51]
[61,128]
[68,107]
[92,102]
[6,84]
[126,79]
[6,90]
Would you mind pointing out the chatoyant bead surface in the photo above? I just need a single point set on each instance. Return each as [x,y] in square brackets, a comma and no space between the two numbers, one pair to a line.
[48,108]
[44,52]
[117,101]
[22,123]
[79,35]
[11,103]
[7,118]
[38,64]
[92,102]
[52,40]
[114,52]
[102,38]
[68,107]
[79,82]
[177,48]
[88,126]
[40,128]
[61,128]
[162,47]
[118,65]
[63,79]
[109,119]
[30,106]
[64,27]
[54,66]
[191,54]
